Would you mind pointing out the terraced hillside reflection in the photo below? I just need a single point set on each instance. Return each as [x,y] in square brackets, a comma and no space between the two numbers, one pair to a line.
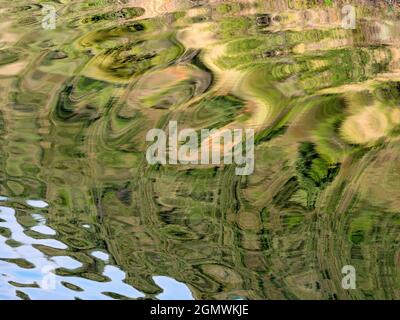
[80,199]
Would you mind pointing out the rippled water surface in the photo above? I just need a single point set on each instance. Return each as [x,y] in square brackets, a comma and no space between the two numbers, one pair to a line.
[84,216]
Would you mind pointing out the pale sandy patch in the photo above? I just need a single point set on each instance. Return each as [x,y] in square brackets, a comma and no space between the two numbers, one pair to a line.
[356,87]
[395,116]
[228,79]
[197,36]
[155,8]
[152,82]
[260,113]
[7,38]
[324,45]
[365,127]
[12,68]
[196,12]
[160,80]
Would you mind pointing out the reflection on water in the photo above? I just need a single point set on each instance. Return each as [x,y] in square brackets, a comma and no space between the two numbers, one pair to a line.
[172,289]
[28,271]
[84,216]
